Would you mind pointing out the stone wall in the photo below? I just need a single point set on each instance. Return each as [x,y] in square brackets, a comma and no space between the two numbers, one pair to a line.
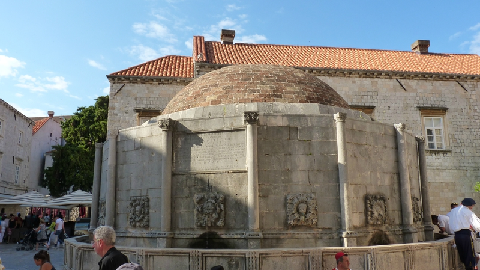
[430,255]
[13,153]
[127,98]
[451,172]
[297,165]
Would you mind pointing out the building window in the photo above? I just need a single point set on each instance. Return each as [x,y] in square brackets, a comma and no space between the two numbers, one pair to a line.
[20,134]
[368,110]
[17,174]
[434,132]
[434,128]
[144,115]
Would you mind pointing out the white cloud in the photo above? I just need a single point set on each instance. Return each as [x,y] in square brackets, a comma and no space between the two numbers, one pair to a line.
[41,85]
[189,43]
[18,94]
[58,83]
[30,112]
[96,65]
[154,30]
[214,32]
[169,50]
[454,36]
[475,44]
[232,7]
[8,66]
[106,90]
[243,16]
[144,53]
[75,97]
[29,82]
[251,39]
[140,28]
[475,27]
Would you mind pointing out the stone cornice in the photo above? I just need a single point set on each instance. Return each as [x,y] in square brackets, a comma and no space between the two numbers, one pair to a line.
[149,80]
[386,74]
[379,74]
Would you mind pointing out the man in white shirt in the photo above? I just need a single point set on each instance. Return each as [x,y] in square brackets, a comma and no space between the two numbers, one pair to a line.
[442,222]
[59,229]
[463,221]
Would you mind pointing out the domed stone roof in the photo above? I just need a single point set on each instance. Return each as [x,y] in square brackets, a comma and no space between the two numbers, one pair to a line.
[254,83]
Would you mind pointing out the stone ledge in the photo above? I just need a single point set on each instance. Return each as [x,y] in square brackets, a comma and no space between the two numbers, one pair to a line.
[80,255]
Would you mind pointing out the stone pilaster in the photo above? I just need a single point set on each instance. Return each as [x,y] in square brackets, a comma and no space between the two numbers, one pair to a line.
[347,236]
[166,206]
[97,172]
[422,164]
[251,119]
[409,232]
[110,203]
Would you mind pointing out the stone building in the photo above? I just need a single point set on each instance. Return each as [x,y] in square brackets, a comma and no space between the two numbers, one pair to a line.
[15,143]
[46,133]
[261,156]
[434,94]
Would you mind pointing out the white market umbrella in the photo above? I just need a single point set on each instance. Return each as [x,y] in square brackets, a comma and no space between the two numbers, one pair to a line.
[32,198]
[74,199]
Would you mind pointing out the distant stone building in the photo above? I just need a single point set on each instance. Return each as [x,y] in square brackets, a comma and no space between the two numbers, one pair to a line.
[15,145]
[46,133]
[434,94]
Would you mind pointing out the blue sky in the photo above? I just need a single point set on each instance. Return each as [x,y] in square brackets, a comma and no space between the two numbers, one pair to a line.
[55,55]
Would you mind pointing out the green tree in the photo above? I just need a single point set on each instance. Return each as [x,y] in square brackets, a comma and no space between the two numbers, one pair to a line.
[73,163]
[88,125]
[72,166]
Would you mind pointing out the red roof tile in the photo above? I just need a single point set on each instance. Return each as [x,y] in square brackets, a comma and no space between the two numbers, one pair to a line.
[340,58]
[167,66]
[39,124]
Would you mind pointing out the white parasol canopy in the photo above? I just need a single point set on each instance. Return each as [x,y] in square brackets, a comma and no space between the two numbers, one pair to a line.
[32,198]
[74,199]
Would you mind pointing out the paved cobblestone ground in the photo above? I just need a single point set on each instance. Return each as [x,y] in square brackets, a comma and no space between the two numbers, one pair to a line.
[23,260]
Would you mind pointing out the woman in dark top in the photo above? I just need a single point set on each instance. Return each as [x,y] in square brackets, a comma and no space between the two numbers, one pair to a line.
[42,259]
[12,224]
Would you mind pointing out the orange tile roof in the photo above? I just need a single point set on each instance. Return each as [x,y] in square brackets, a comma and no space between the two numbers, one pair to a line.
[339,58]
[167,66]
[39,124]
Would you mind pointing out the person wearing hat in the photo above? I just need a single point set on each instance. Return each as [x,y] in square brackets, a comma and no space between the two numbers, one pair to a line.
[463,221]
[343,263]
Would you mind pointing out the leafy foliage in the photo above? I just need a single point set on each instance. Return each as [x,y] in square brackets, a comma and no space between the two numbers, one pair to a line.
[73,163]
[72,166]
[477,187]
[88,125]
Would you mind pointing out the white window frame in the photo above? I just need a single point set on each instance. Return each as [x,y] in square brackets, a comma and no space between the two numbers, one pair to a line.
[434,132]
[435,128]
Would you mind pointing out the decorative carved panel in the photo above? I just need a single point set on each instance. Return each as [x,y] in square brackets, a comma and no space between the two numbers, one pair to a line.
[376,209]
[209,209]
[250,117]
[417,211]
[102,211]
[139,211]
[301,209]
